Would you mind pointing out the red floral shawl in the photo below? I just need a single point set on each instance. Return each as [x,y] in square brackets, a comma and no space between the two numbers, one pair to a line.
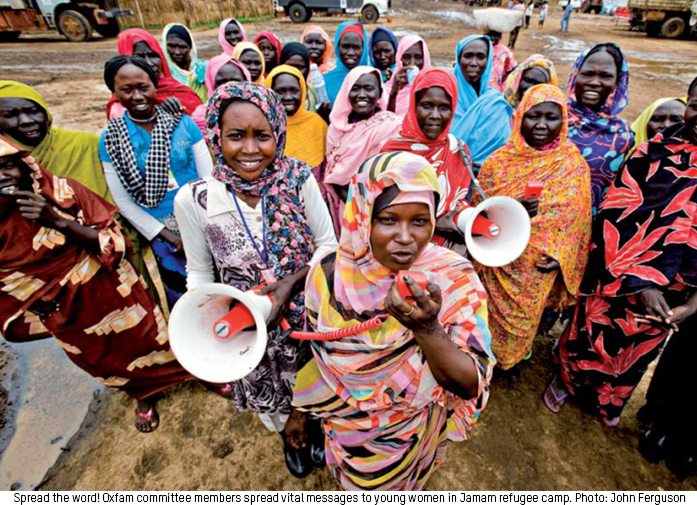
[645,234]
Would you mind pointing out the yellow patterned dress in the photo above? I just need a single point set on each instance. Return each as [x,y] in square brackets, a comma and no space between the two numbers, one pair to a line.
[97,307]
[519,292]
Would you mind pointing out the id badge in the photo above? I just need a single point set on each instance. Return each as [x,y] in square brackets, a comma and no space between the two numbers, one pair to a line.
[268,276]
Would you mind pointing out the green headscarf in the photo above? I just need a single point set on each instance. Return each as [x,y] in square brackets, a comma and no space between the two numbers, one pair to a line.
[641,123]
[196,75]
[64,153]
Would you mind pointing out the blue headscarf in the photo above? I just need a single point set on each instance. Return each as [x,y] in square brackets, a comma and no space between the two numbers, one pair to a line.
[395,44]
[335,78]
[603,138]
[482,120]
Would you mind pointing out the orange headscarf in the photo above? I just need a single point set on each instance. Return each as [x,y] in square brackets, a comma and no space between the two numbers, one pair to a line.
[324,66]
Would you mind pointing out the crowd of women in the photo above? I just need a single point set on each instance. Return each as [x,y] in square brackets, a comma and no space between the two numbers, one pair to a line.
[323,177]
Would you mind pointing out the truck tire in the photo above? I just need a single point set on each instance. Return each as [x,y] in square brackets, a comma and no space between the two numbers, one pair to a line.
[673,28]
[586,6]
[298,13]
[74,26]
[9,36]
[109,30]
[370,14]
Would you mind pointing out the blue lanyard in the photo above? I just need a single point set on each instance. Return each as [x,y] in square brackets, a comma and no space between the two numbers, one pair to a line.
[264,257]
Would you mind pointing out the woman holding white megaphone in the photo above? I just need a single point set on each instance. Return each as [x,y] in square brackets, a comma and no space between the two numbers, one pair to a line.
[259,219]
[549,272]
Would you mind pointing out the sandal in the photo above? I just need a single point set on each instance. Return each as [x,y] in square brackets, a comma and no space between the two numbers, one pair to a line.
[151,417]
[558,398]
[611,423]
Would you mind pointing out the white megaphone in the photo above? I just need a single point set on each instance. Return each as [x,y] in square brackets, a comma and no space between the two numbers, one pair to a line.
[500,237]
[218,333]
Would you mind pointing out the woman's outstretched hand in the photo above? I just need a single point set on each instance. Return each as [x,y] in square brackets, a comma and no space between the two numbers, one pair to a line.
[422,316]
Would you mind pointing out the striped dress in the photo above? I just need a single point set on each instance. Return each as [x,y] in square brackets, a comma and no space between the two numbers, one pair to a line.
[385,417]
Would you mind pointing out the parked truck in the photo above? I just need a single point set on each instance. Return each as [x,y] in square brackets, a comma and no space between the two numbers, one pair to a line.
[663,18]
[300,11]
[75,19]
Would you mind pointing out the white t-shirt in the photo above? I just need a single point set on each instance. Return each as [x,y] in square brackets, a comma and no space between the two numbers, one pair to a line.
[530,9]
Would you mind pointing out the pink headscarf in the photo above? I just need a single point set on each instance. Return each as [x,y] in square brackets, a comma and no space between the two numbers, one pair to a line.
[227,47]
[214,66]
[350,144]
[407,42]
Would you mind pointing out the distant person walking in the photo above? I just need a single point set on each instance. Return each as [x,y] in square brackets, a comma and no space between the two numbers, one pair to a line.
[519,6]
[543,14]
[528,14]
[566,17]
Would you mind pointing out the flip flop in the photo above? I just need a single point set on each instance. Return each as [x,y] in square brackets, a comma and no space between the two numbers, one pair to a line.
[151,417]
[611,423]
[559,399]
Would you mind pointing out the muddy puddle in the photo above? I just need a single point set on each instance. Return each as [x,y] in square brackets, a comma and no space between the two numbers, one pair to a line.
[645,64]
[48,398]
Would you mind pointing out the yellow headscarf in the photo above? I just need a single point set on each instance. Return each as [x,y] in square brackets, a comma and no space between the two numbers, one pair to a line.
[307,132]
[64,153]
[642,122]
[242,47]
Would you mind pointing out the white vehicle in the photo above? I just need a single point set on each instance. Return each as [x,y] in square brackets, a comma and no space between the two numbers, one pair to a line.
[74,19]
[576,4]
[300,11]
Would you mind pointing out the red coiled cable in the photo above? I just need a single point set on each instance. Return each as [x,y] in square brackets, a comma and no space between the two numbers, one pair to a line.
[370,324]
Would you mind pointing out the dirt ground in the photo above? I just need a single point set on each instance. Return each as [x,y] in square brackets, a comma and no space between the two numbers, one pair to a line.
[203,443]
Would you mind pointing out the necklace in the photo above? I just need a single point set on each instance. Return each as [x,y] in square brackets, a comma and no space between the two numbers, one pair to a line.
[146,120]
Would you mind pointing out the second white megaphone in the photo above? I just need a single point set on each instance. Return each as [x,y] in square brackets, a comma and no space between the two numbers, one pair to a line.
[497,231]
[218,333]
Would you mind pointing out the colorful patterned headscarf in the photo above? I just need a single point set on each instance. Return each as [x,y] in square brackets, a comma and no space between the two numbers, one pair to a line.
[510,92]
[602,137]
[362,282]
[289,236]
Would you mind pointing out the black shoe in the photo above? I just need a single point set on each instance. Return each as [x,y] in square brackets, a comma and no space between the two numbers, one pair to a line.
[647,415]
[317,450]
[651,445]
[298,462]
[682,466]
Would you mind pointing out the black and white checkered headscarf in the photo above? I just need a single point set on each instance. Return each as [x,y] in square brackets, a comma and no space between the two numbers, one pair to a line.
[149,191]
